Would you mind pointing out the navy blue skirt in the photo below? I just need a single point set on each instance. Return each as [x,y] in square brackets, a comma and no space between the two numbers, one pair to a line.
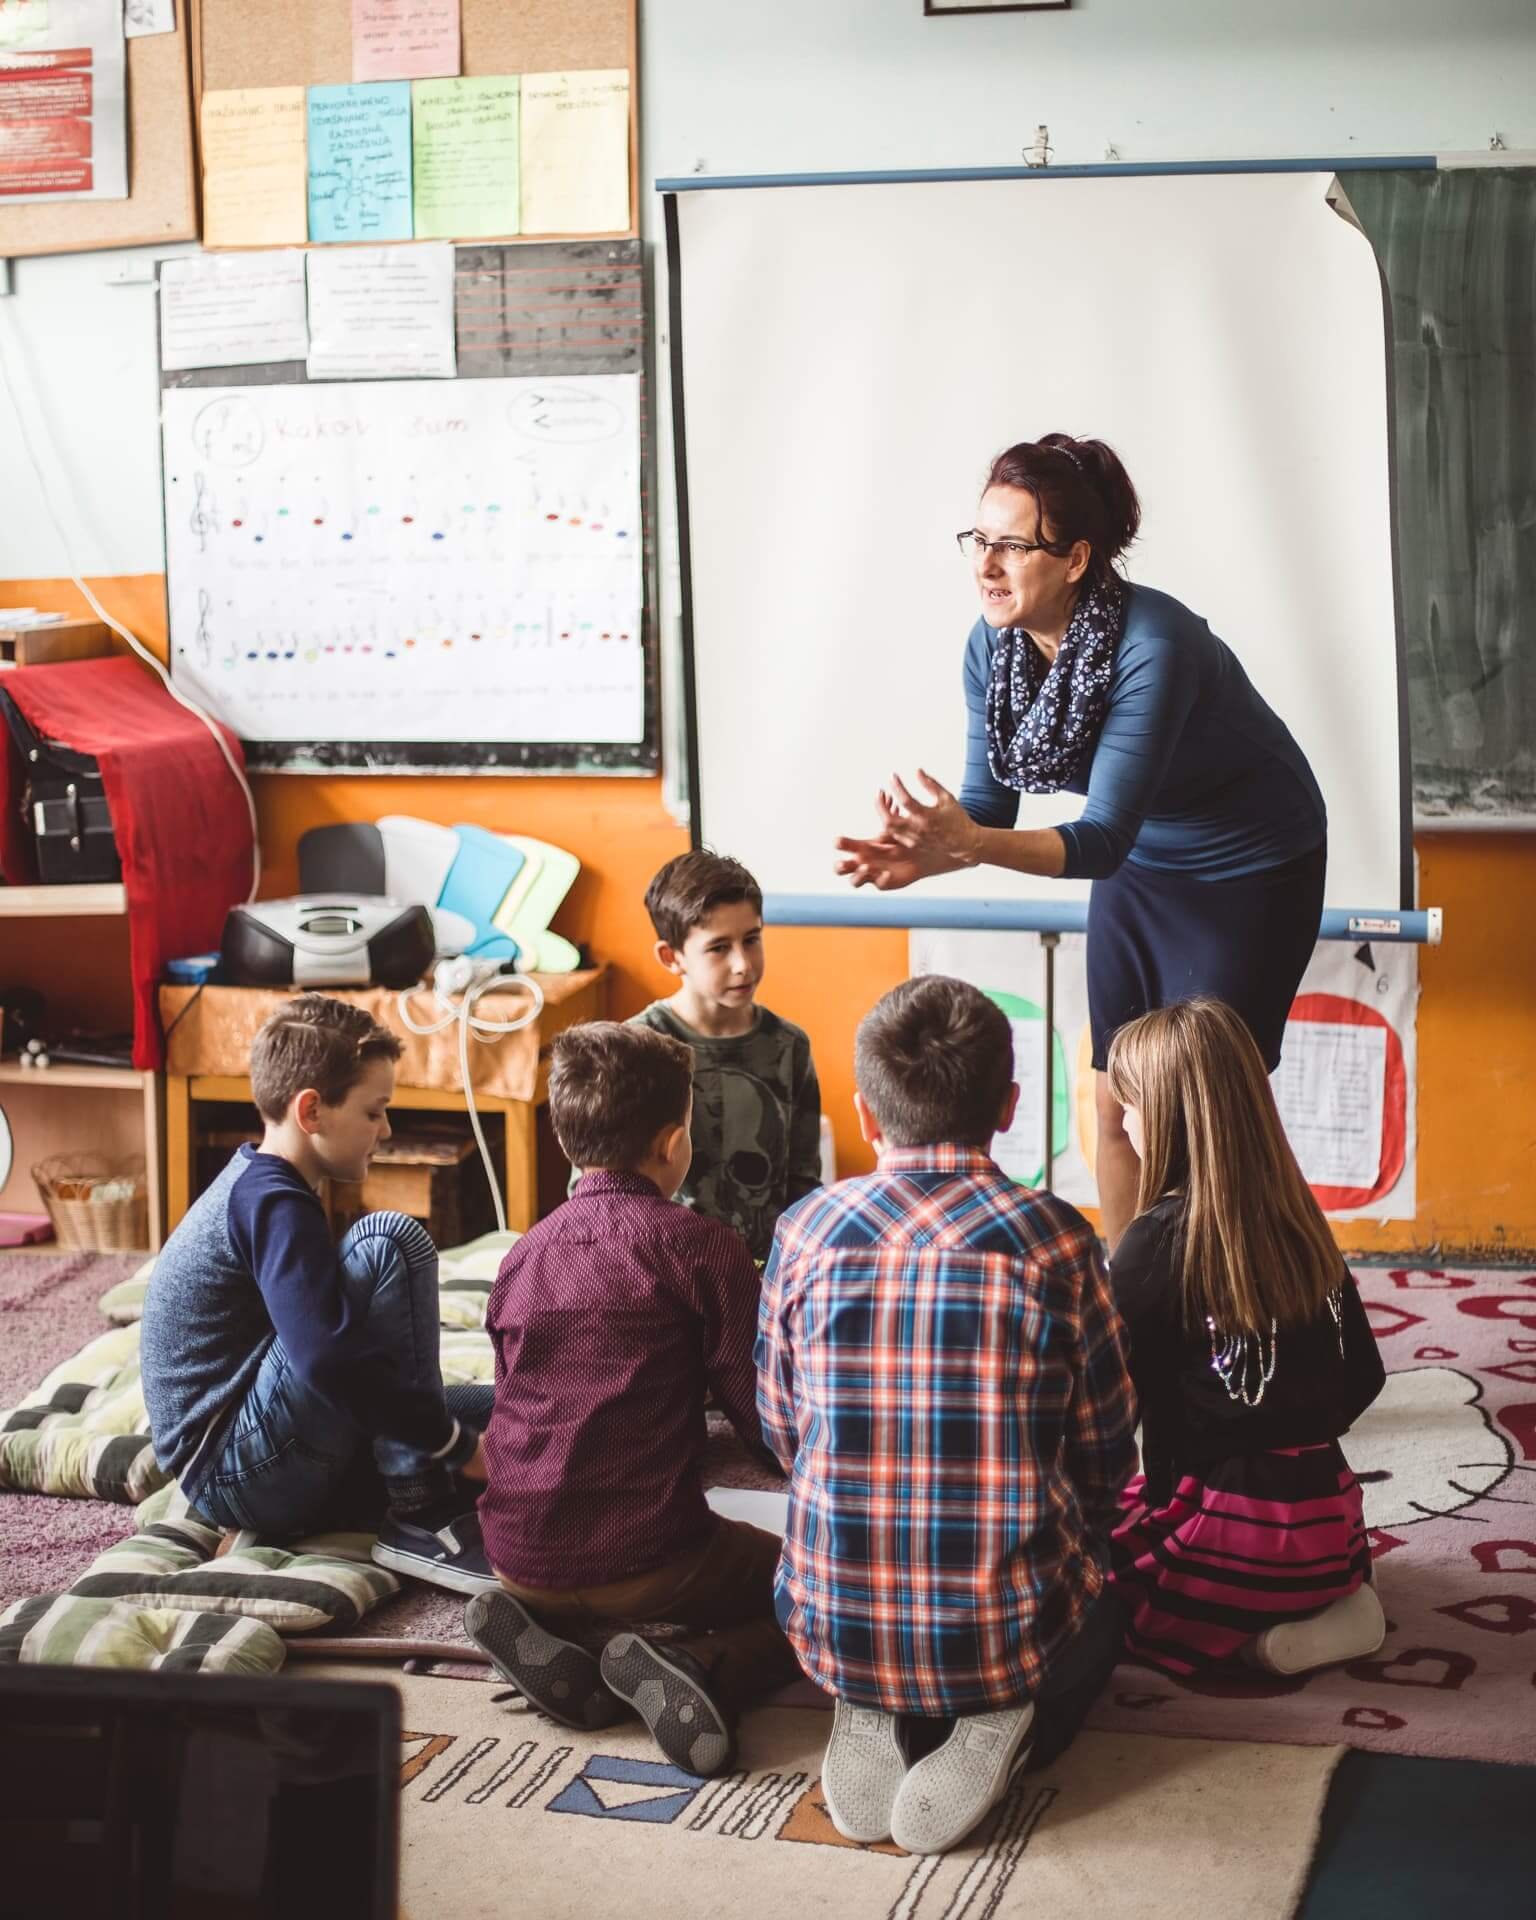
[1155,937]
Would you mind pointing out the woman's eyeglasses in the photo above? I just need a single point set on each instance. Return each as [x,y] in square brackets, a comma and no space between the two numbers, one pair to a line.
[975,546]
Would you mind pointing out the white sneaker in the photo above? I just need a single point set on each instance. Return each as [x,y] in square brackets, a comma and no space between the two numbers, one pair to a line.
[950,1790]
[1348,1630]
[864,1765]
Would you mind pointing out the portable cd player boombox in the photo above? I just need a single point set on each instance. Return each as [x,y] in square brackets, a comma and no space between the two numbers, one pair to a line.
[328,940]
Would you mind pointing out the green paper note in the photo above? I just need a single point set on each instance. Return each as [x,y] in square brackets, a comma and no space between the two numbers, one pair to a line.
[465,148]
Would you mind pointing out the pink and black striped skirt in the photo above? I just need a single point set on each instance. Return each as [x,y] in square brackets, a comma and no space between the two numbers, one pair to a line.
[1246,1544]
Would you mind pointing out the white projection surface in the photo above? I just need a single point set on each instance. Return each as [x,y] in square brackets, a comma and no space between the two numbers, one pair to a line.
[854,355]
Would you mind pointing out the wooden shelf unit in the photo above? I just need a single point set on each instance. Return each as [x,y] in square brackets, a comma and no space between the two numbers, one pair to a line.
[47,903]
[72,902]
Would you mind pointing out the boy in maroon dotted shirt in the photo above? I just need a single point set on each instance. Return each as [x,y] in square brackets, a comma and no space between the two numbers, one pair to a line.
[611,1320]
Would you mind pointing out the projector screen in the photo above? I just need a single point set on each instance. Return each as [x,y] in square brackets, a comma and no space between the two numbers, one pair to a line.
[849,357]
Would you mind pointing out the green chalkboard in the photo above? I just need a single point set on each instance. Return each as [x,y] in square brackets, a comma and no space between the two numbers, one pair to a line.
[1458,253]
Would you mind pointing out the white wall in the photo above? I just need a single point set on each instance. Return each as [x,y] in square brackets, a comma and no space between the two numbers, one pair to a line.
[813,85]
[809,85]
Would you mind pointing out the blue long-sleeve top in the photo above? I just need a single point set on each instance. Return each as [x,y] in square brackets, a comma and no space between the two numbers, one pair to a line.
[1192,772]
[252,1261]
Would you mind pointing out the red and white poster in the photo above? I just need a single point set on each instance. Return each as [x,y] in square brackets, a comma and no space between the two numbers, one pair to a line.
[62,123]
[1347,1081]
[45,122]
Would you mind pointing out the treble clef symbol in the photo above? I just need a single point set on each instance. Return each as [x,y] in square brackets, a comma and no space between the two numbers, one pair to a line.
[201,520]
[204,639]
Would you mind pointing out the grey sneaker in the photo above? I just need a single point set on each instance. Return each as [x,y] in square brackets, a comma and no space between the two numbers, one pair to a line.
[554,1675]
[865,1763]
[950,1790]
[670,1692]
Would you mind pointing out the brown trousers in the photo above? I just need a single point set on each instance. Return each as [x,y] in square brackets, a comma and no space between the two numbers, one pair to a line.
[722,1588]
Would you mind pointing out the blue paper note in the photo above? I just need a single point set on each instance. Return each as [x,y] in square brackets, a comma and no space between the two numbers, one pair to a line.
[360,162]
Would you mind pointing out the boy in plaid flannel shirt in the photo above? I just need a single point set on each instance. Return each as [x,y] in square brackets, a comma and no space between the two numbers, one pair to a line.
[941,1372]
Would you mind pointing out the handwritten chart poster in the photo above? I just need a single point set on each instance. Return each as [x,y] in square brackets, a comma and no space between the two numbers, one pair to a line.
[464,148]
[576,152]
[360,162]
[404,39]
[253,167]
[410,561]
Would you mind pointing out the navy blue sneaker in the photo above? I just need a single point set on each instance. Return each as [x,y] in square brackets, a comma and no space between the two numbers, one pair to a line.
[452,1557]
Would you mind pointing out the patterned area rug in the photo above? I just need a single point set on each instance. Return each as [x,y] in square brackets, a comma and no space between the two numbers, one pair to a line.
[1447,1457]
[498,1810]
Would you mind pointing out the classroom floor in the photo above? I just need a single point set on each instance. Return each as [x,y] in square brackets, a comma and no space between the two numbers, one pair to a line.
[1400,1837]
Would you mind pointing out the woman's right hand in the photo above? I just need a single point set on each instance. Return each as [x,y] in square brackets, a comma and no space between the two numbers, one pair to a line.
[911,841]
[883,862]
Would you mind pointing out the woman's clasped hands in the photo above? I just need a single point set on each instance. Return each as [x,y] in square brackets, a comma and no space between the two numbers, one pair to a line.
[916,838]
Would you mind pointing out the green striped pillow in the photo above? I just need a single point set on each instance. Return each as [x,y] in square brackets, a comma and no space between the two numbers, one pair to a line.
[324,1581]
[66,1630]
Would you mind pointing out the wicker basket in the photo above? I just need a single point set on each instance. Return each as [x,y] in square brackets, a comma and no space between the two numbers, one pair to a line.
[95,1202]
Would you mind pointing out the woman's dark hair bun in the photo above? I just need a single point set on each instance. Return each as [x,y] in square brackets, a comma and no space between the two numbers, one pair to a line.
[1081,488]
[1104,471]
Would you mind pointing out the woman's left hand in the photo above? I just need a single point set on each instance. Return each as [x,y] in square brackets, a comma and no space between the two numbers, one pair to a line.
[939,831]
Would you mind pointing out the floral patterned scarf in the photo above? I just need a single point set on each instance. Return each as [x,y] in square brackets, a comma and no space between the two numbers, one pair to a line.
[1042,718]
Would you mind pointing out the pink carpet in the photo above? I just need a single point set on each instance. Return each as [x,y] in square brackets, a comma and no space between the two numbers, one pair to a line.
[1447,1457]
[47,1312]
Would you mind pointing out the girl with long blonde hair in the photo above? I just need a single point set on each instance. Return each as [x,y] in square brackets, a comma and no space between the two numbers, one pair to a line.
[1251,1356]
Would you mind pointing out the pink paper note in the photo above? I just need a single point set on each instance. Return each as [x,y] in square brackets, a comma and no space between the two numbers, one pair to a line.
[405,39]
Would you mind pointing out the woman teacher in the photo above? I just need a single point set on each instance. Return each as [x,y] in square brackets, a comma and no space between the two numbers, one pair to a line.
[1204,832]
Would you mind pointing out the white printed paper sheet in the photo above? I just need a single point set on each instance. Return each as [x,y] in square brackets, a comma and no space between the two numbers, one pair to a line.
[410,560]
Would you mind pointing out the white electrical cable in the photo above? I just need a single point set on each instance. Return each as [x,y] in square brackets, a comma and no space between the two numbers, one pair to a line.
[486,1031]
[106,618]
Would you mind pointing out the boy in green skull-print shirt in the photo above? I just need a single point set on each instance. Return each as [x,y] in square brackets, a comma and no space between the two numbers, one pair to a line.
[756,1103]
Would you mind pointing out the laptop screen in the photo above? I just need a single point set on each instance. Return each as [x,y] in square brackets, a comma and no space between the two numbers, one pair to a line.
[163,1796]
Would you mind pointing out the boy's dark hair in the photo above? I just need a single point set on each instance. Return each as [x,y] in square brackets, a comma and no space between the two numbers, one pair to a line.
[934,1061]
[613,1088]
[317,1042]
[689,888]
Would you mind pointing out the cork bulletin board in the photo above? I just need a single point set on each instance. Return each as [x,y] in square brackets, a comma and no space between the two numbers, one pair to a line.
[162,201]
[291,43]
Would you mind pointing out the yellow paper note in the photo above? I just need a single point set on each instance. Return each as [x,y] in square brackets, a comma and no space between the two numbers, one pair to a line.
[576,152]
[464,157]
[255,175]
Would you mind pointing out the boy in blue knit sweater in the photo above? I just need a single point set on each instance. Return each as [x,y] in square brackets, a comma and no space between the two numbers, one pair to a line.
[284,1375]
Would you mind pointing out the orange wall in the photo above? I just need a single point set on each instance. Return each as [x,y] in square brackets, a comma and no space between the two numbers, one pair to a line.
[1477,1014]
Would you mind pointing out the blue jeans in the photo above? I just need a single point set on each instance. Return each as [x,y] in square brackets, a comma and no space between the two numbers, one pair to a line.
[288,1462]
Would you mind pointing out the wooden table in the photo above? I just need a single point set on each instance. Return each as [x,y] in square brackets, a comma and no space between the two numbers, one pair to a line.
[185,1092]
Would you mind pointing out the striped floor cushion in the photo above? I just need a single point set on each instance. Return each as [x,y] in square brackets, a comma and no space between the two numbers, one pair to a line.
[327,1581]
[83,1433]
[62,1629]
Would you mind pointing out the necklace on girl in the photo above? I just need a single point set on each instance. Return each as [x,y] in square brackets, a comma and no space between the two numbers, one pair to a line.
[1239,1362]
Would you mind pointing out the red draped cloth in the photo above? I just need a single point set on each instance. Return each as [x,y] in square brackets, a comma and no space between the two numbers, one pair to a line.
[182,827]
